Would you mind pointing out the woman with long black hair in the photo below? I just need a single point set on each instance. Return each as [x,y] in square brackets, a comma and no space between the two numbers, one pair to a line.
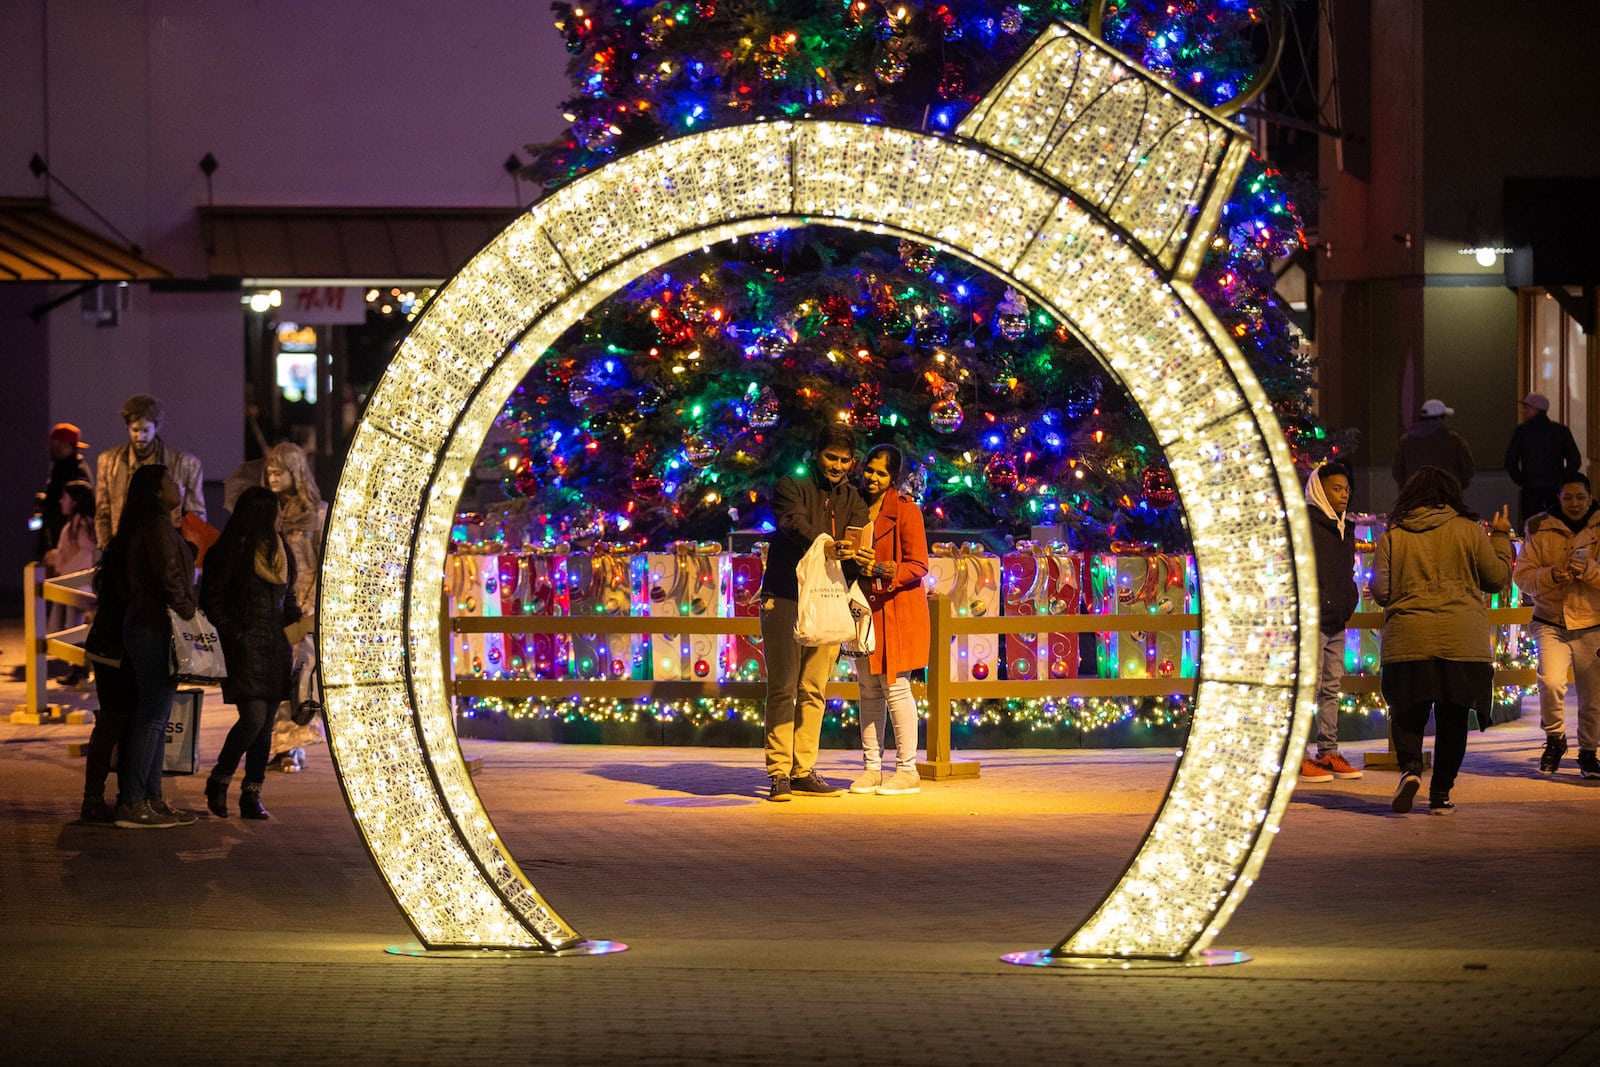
[1432,574]
[248,594]
[156,573]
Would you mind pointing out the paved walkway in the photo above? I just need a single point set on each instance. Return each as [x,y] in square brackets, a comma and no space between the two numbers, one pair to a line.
[859,930]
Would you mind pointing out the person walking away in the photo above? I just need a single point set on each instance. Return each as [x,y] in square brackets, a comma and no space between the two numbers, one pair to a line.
[1540,455]
[1434,566]
[1560,573]
[66,466]
[302,517]
[1333,538]
[143,415]
[159,574]
[1430,444]
[247,591]
[821,502]
[894,571]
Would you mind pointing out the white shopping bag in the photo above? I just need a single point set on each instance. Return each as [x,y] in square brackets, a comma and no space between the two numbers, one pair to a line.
[865,640]
[181,754]
[824,615]
[196,649]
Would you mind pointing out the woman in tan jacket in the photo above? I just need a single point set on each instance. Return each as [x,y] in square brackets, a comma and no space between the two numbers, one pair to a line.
[1559,571]
[1433,570]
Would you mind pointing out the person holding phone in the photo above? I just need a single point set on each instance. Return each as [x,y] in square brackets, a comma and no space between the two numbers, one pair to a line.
[893,559]
[1559,573]
[1433,567]
[817,503]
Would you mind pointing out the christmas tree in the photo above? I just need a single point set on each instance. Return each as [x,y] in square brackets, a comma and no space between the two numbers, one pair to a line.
[669,411]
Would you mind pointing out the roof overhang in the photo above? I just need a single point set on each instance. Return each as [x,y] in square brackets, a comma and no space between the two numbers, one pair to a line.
[346,245]
[39,245]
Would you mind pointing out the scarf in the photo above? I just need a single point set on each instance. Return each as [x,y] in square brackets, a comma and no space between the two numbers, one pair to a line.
[272,562]
[1319,499]
[1576,525]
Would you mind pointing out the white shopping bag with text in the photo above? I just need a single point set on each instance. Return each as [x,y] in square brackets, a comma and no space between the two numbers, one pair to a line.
[824,615]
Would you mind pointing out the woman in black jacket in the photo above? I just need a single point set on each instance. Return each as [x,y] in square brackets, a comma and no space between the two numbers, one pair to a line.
[156,575]
[247,592]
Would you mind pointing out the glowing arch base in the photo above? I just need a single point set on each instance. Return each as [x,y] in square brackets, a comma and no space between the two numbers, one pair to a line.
[1080,180]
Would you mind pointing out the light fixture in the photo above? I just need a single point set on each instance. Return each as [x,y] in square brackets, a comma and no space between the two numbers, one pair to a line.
[1484,254]
[1082,182]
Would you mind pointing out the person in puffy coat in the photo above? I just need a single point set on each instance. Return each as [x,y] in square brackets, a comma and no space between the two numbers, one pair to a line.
[1434,566]
[1559,572]
[248,593]
[1333,537]
[899,621]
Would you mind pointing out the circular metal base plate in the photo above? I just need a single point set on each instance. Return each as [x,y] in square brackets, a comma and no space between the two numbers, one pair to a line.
[1211,957]
[582,948]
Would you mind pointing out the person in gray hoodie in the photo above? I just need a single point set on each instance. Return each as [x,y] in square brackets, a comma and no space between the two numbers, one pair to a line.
[1333,538]
[1433,568]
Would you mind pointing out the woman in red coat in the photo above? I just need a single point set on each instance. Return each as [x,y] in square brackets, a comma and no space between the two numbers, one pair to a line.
[900,620]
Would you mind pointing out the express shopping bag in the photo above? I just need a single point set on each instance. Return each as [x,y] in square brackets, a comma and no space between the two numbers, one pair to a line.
[196,649]
[824,611]
[865,641]
[181,754]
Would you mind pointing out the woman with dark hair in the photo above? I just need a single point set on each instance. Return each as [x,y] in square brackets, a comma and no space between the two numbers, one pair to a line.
[898,563]
[1433,569]
[157,573]
[248,594]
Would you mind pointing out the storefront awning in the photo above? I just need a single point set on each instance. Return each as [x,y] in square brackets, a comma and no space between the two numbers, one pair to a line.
[38,245]
[346,244]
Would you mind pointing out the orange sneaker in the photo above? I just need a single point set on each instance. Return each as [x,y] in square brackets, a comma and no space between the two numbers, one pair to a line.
[1312,771]
[1340,766]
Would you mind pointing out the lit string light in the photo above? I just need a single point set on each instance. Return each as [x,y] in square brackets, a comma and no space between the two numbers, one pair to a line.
[1082,182]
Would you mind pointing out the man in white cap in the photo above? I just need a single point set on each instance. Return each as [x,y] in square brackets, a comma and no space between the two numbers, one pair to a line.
[1429,444]
[1541,454]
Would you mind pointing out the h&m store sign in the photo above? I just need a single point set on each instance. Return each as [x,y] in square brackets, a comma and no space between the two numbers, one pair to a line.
[325,304]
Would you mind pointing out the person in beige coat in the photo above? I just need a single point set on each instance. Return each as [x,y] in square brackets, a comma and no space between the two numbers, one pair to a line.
[1559,572]
[1434,566]
[143,414]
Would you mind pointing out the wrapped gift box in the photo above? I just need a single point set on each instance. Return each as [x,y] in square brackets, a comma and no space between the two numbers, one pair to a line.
[1361,646]
[1042,580]
[472,584]
[1138,583]
[970,578]
[742,657]
[533,581]
[688,581]
[599,582]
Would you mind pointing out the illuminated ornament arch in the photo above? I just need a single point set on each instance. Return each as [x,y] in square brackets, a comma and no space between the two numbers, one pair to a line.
[1081,181]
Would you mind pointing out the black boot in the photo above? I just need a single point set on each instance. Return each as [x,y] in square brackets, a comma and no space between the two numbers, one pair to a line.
[250,802]
[217,795]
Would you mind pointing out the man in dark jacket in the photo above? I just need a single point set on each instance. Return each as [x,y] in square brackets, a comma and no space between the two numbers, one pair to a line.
[1540,455]
[820,502]
[66,465]
[1430,444]
[1333,537]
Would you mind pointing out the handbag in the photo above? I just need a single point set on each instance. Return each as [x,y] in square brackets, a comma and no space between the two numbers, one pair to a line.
[305,693]
[865,641]
[823,616]
[196,650]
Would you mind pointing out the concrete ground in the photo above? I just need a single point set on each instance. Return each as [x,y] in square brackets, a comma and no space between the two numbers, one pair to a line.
[857,930]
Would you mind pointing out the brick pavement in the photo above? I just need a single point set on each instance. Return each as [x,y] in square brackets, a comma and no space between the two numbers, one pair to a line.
[856,930]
